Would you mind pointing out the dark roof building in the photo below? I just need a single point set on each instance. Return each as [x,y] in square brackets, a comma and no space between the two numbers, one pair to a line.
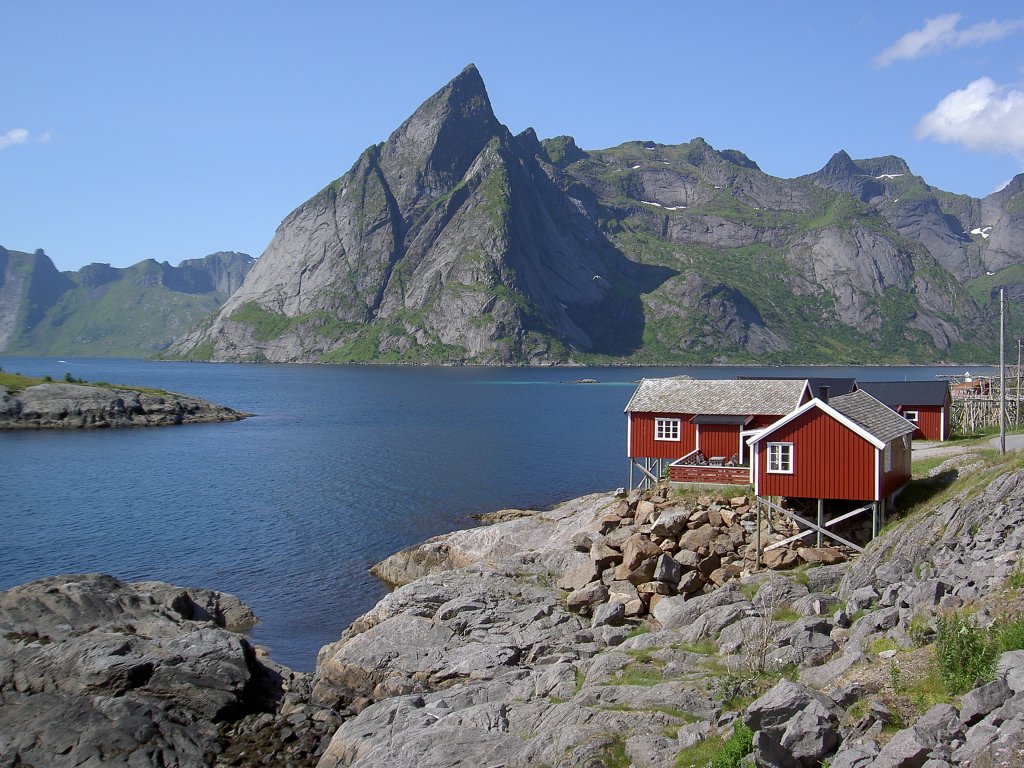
[926,404]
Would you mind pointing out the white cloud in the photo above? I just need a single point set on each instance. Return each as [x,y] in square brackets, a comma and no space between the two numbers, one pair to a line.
[12,137]
[983,116]
[940,33]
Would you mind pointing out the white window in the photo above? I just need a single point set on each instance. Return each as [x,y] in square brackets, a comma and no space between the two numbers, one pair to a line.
[666,429]
[887,458]
[780,458]
[910,416]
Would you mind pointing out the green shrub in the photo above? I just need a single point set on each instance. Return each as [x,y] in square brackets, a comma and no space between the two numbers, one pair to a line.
[964,653]
[1009,634]
[735,748]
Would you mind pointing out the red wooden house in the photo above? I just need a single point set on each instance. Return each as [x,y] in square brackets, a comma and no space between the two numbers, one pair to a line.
[852,448]
[699,426]
[926,404]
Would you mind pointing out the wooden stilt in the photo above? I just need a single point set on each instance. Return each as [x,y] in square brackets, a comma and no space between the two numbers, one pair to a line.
[874,520]
[821,519]
[757,565]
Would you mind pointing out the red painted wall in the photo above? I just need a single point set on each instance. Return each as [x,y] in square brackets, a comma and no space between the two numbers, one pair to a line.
[897,477]
[830,461]
[760,422]
[720,440]
[643,445]
[930,420]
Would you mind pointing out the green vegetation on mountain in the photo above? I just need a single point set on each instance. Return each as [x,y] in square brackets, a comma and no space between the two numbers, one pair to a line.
[104,311]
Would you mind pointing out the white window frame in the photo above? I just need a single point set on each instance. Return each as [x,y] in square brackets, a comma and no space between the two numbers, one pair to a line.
[887,458]
[917,415]
[668,430]
[780,458]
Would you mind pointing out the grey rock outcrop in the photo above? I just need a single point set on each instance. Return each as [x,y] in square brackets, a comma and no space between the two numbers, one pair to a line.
[79,406]
[96,671]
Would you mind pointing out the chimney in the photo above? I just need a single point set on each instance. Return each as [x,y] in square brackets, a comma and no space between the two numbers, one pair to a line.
[823,392]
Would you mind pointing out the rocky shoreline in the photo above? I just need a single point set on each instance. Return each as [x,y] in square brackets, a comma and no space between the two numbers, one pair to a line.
[487,655]
[58,405]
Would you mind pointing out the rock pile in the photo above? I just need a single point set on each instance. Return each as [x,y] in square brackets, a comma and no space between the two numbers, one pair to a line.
[651,545]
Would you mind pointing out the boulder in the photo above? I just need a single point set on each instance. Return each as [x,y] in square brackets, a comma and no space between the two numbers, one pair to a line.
[637,549]
[820,555]
[671,523]
[583,600]
[610,614]
[698,538]
[622,592]
[690,582]
[644,511]
[604,556]
[668,570]
[779,559]
[859,753]
[687,558]
[974,705]
[578,578]
[794,726]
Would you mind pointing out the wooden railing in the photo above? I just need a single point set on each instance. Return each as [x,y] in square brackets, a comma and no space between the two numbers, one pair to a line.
[681,471]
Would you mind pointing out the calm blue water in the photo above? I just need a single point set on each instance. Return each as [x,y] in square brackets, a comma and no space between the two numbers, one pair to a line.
[340,467]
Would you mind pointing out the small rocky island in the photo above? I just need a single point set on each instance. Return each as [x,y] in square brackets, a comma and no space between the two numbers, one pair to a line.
[565,638]
[27,403]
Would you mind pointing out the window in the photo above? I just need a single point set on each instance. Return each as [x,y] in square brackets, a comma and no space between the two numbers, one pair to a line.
[910,416]
[780,458]
[887,458]
[666,429]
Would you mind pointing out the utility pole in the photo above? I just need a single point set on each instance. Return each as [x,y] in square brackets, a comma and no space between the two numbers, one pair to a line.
[1002,370]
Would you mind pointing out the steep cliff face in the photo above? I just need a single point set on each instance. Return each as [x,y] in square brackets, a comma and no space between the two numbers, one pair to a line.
[446,243]
[104,310]
[29,284]
[454,241]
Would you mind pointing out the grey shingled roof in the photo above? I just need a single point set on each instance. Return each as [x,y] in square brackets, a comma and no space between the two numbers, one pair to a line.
[875,417]
[747,397]
[907,393]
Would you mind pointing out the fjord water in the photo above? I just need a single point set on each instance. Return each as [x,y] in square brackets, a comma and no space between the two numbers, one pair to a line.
[339,467]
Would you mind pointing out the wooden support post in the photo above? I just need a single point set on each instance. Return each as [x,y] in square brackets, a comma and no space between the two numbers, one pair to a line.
[874,520]
[821,519]
[631,473]
[757,562]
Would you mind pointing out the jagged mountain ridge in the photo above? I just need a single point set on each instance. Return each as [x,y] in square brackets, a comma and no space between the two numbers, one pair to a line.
[104,310]
[455,241]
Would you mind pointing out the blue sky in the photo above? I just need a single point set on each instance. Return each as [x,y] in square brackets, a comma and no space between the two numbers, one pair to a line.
[136,130]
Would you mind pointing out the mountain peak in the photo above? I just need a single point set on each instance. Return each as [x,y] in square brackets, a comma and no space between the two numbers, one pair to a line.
[435,146]
[840,165]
